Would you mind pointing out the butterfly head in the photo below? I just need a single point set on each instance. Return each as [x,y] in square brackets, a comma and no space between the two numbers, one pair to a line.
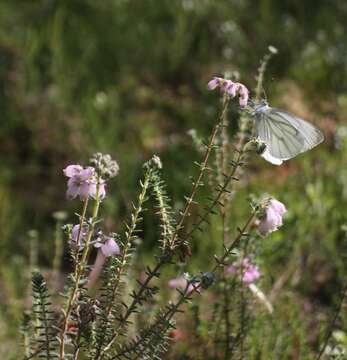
[258,106]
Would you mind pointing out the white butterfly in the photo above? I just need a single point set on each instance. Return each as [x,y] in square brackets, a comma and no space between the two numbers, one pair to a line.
[284,134]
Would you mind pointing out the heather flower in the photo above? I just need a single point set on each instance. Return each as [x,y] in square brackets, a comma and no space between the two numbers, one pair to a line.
[250,272]
[83,182]
[83,235]
[181,283]
[272,219]
[79,182]
[214,83]
[231,88]
[108,247]
[243,94]
[102,189]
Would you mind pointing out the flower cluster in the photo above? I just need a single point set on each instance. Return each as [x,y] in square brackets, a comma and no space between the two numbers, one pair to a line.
[83,182]
[233,89]
[246,270]
[272,218]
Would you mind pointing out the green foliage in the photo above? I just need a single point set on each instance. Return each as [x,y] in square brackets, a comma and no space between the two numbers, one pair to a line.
[45,330]
[130,77]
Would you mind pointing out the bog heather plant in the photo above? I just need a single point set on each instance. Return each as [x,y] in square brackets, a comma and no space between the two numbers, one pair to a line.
[101,324]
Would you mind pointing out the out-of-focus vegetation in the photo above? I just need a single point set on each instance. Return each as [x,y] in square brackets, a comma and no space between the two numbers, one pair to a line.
[129,78]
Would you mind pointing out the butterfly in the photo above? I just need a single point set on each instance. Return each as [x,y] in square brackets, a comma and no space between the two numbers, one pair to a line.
[284,134]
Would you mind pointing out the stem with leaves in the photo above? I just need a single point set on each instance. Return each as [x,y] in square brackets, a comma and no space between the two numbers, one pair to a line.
[122,262]
[138,297]
[80,265]
[185,295]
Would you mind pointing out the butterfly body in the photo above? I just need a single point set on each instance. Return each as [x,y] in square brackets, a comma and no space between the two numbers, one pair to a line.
[284,134]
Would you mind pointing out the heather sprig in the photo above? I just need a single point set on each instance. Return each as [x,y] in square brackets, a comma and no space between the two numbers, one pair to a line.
[45,327]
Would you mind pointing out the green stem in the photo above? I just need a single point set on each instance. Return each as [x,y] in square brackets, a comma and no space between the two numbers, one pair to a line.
[79,268]
[123,260]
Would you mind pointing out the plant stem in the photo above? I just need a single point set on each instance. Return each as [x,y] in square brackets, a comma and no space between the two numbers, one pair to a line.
[186,211]
[58,252]
[221,191]
[79,267]
[123,259]
[185,295]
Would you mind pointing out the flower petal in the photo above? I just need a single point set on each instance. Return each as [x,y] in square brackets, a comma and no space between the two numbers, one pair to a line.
[278,206]
[214,83]
[72,170]
[110,248]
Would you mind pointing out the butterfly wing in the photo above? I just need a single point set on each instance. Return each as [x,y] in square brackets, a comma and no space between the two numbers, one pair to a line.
[286,135]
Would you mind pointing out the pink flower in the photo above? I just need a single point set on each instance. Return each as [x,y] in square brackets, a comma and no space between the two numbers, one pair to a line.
[231,88]
[272,219]
[102,189]
[243,95]
[181,283]
[74,235]
[82,183]
[109,247]
[214,83]
[250,272]
[72,170]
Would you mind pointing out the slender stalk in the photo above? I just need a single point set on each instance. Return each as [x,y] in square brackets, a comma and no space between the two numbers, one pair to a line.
[243,304]
[225,230]
[261,71]
[58,251]
[79,233]
[226,312]
[186,211]
[236,241]
[125,250]
[79,268]
[222,190]
[77,341]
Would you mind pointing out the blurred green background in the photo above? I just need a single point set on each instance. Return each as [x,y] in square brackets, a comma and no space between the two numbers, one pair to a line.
[129,78]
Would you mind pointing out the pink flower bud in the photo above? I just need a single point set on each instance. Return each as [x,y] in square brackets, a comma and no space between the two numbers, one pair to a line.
[214,83]
[231,88]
